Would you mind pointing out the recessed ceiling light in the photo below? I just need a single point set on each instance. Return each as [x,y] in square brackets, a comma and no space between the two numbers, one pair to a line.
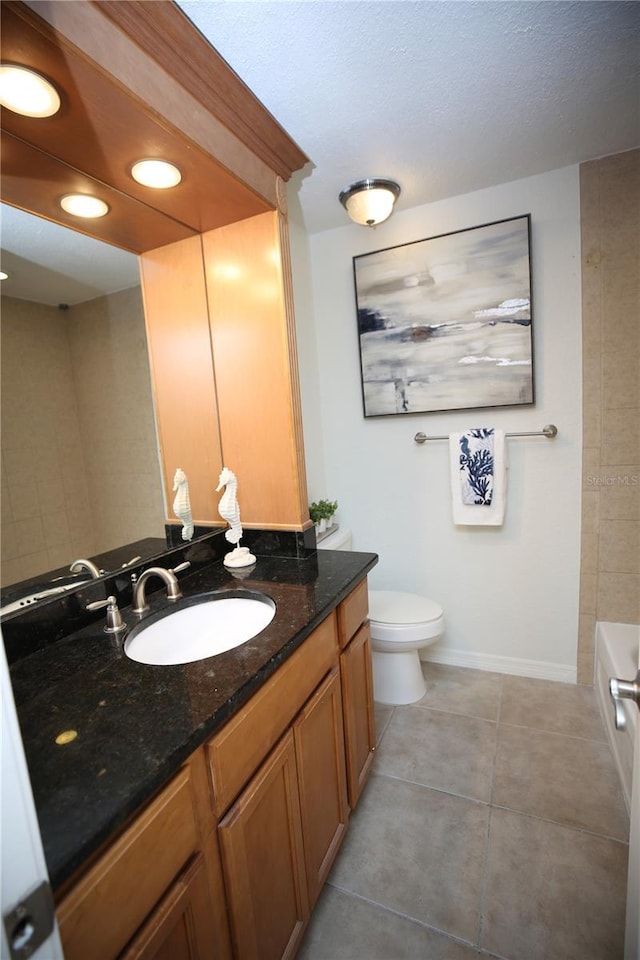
[159,174]
[26,92]
[84,205]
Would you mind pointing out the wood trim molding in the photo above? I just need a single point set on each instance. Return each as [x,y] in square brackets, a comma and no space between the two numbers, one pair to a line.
[164,32]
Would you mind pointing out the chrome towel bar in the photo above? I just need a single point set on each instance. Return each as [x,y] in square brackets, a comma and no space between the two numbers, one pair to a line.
[549,431]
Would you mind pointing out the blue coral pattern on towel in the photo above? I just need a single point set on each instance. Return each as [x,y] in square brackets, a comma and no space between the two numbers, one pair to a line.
[476,466]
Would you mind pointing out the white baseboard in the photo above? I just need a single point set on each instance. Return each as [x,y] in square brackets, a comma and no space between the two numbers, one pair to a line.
[539,669]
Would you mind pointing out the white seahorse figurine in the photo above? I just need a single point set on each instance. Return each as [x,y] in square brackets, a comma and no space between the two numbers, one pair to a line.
[229,510]
[181,504]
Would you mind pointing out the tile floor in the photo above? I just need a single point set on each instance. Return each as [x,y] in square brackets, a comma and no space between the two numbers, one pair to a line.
[493,825]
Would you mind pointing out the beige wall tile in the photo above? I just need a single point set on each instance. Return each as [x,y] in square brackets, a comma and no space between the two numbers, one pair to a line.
[29,536]
[621,379]
[24,500]
[592,318]
[6,515]
[620,493]
[590,511]
[8,542]
[51,495]
[619,546]
[34,563]
[620,436]
[610,228]
[590,467]
[591,275]
[591,402]
[81,524]
[610,231]
[11,571]
[589,554]
[59,554]
[618,597]
[586,648]
[588,593]
[620,306]
[56,529]
[68,381]
[590,194]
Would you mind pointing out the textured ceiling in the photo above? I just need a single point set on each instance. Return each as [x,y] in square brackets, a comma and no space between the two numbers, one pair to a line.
[445,97]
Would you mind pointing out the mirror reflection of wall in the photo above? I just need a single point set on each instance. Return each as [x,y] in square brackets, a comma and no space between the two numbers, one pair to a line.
[80,465]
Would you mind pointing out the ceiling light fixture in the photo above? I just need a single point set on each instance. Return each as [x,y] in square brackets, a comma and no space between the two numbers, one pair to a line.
[370,201]
[84,205]
[159,174]
[26,92]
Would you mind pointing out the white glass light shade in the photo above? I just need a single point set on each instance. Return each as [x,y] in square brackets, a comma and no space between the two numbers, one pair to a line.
[370,201]
[159,174]
[84,205]
[26,92]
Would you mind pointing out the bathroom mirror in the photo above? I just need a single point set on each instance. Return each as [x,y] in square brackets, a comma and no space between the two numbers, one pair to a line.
[81,472]
[227,146]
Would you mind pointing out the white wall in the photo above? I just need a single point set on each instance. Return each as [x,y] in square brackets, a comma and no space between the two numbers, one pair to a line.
[510,594]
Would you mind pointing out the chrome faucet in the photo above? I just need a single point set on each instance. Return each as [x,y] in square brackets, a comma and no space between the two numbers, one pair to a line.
[114,623]
[79,565]
[140,604]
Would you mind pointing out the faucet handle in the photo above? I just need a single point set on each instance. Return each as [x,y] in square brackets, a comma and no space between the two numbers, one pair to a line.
[114,623]
[173,589]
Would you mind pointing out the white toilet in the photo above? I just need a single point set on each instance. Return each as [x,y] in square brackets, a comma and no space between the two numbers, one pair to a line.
[401,625]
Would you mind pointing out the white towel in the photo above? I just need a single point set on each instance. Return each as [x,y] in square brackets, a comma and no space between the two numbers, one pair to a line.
[480,514]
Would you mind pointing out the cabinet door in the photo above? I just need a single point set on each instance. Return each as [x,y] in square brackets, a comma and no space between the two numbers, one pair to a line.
[263,861]
[359,718]
[319,740]
[177,320]
[180,928]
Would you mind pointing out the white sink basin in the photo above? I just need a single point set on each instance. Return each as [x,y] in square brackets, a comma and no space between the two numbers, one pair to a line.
[199,629]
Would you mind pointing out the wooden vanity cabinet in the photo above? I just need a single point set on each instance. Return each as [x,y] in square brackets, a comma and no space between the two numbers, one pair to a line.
[219,316]
[228,860]
[154,892]
[279,837]
[357,689]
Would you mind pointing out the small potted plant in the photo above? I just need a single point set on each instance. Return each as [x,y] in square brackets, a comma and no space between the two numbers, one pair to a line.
[322,511]
[331,506]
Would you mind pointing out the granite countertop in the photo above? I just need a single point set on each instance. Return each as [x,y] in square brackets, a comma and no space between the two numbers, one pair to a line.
[136,724]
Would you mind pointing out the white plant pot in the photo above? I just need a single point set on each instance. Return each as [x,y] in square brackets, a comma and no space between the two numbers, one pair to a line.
[321,525]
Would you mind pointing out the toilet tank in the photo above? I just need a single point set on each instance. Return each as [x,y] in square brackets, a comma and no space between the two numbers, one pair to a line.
[340,539]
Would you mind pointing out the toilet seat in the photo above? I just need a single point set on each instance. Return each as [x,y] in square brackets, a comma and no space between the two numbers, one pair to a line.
[398,617]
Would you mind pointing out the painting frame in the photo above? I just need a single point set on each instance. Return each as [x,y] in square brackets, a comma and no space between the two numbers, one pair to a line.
[445,323]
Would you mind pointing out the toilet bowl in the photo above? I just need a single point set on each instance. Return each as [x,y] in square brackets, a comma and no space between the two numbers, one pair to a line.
[401,624]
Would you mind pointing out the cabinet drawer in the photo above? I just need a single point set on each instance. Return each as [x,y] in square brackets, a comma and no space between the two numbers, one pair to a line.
[352,612]
[106,907]
[240,747]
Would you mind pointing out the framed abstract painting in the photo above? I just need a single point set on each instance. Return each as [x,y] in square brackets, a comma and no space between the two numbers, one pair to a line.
[446,323]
